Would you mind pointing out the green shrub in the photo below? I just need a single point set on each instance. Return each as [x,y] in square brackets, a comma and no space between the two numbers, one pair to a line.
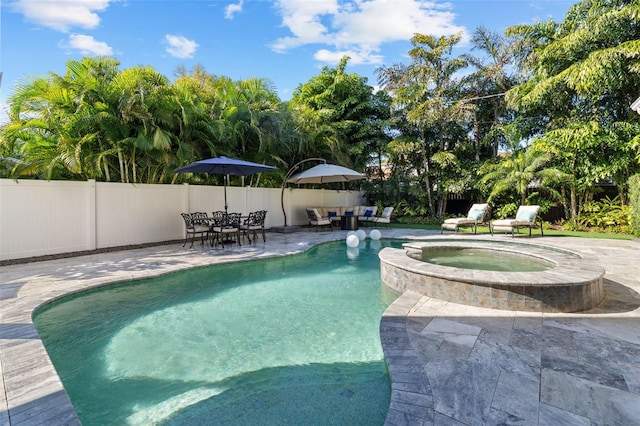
[634,203]
[506,210]
[605,213]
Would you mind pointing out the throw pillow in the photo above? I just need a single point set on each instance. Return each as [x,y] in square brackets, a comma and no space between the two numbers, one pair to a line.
[475,214]
[525,215]
[333,214]
[349,213]
[368,213]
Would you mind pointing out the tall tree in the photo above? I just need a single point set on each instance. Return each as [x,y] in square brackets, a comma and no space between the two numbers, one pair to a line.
[426,92]
[584,74]
[495,74]
[337,110]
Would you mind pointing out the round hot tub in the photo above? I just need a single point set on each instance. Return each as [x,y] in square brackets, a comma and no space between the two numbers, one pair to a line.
[491,274]
[481,259]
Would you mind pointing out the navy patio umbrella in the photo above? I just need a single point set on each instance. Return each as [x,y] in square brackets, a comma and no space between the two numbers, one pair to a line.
[225,166]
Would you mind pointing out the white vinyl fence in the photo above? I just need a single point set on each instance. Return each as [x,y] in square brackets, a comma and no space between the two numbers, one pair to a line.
[51,217]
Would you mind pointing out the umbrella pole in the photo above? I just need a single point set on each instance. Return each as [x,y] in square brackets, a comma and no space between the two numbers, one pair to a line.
[288,175]
[224,184]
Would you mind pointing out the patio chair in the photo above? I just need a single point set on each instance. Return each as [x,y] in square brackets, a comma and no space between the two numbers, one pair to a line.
[194,228]
[478,214]
[385,217]
[224,227]
[526,217]
[254,223]
[316,220]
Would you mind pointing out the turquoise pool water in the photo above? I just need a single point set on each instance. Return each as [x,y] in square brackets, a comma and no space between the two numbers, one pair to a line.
[482,259]
[291,340]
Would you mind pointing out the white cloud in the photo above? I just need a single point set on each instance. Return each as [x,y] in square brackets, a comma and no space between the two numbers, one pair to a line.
[62,15]
[180,46]
[304,20]
[360,27]
[87,45]
[232,9]
[356,57]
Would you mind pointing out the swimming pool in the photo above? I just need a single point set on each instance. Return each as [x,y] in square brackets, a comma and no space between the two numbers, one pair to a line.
[288,340]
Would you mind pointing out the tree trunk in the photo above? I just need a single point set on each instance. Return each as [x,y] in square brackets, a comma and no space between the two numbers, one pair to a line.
[476,136]
[105,163]
[427,183]
[121,162]
[565,203]
[444,206]
[495,137]
[429,198]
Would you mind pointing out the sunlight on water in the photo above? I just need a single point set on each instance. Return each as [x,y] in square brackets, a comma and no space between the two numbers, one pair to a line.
[282,340]
[483,259]
[149,415]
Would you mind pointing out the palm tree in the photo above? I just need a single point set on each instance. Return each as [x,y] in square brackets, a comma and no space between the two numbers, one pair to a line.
[425,93]
[488,84]
[520,171]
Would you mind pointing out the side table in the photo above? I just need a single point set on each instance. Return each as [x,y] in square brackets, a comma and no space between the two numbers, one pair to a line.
[349,222]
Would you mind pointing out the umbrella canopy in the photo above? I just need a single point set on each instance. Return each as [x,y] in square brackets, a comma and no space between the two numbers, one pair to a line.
[225,166]
[326,173]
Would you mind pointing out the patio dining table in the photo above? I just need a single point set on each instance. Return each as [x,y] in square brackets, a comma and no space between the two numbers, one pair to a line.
[225,223]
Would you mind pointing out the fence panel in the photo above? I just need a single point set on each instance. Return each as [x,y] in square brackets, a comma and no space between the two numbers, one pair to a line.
[40,217]
[137,213]
[49,217]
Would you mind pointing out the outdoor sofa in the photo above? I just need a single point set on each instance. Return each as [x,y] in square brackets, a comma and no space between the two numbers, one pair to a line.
[365,214]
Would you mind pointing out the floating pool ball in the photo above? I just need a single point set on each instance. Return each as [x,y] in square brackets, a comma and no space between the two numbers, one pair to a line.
[352,240]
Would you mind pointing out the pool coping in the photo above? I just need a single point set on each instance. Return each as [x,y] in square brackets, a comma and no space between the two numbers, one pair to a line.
[31,392]
[574,283]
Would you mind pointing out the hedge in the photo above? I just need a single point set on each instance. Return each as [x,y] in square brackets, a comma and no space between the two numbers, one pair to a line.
[634,201]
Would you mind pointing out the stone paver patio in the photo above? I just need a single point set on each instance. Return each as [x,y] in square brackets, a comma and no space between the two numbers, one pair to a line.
[450,364]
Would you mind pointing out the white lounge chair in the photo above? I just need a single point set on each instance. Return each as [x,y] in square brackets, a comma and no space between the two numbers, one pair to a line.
[478,214]
[526,217]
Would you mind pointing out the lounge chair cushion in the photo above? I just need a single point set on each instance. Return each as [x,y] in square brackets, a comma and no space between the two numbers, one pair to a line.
[475,214]
[526,213]
[459,220]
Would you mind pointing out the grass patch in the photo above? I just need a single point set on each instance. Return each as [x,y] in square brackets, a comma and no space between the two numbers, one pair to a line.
[547,232]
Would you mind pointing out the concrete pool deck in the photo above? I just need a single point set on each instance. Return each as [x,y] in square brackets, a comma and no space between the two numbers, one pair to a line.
[449,363]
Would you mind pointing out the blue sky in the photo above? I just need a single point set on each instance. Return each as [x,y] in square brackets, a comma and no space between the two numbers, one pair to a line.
[286,41]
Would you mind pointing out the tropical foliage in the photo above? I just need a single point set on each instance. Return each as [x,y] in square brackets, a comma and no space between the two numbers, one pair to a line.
[540,114]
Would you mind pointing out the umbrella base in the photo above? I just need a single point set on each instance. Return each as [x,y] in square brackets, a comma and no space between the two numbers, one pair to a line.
[285,229]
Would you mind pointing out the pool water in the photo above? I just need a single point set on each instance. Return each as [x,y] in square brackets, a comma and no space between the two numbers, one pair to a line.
[291,340]
[482,259]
